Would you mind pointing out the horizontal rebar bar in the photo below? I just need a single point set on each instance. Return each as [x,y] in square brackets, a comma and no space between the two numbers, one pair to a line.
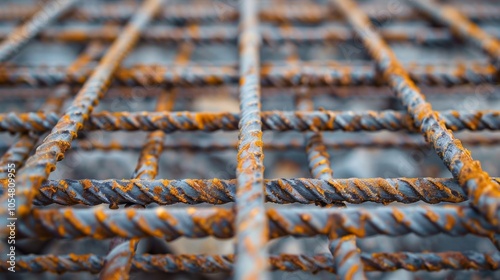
[271,120]
[286,262]
[272,75]
[24,33]
[219,191]
[212,146]
[490,92]
[171,223]
[228,34]
[215,12]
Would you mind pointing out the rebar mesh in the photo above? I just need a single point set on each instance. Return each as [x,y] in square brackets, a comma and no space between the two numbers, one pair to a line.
[72,69]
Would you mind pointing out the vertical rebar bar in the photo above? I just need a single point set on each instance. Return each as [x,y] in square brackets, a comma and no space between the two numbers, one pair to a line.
[251,220]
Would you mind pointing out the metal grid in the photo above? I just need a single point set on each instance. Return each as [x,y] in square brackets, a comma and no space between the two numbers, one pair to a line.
[250,220]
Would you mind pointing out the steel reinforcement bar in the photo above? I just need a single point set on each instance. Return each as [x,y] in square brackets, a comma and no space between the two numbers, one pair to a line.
[212,146]
[308,12]
[219,191]
[271,120]
[484,194]
[285,262]
[251,223]
[314,74]
[200,34]
[170,224]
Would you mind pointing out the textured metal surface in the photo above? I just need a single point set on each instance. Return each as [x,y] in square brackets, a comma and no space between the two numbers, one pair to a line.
[251,229]
[171,224]
[224,263]
[218,191]
[272,74]
[271,120]
[244,111]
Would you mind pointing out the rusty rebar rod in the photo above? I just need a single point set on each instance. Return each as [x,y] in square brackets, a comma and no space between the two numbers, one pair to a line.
[271,120]
[23,34]
[461,26]
[484,194]
[202,12]
[251,223]
[170,224]
[39,166]
[369,142]
[228,34]
[272,75]
[218,191]
[212,146]
[285,262]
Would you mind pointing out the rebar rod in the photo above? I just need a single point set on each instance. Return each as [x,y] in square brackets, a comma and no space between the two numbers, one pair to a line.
[219,191]
[203,13]
[409,261]
[250,223]
[484,194]
[271,120]
[272,75]
[170,224]
[200,34]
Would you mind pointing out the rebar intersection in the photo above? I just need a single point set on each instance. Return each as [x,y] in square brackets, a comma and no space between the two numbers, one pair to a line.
[250,221]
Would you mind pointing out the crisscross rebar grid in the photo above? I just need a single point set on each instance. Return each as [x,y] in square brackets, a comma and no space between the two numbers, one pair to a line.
[141,206]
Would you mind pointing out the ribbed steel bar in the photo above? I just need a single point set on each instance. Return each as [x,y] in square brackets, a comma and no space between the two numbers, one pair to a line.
[215,12]
[484,194]
[285,262]
[271,120]
[460,25]
[218,191]
[212,146]
[39,166]
[347,258]
[170,224]
[229,34]
[272,75]
[251,221]
[119,260]
[23,34]
[20,150]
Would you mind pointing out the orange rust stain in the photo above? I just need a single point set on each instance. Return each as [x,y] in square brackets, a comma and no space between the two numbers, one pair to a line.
[70,217]
[432,216]
[398,215]
[87,184]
